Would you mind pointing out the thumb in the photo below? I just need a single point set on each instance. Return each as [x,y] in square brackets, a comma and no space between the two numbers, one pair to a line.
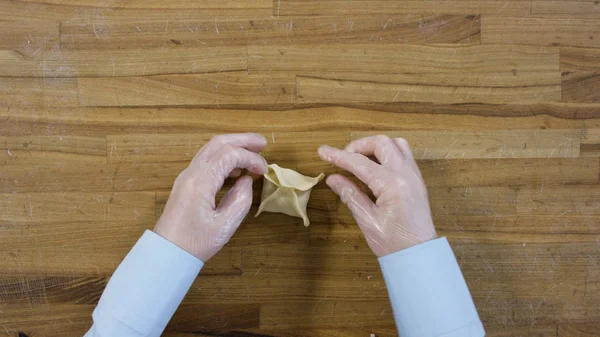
[234,207]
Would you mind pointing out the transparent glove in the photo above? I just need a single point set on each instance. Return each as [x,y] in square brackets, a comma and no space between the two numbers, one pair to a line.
[190,218]
[400,218]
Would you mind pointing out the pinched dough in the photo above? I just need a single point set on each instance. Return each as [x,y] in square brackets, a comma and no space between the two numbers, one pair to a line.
[286,191]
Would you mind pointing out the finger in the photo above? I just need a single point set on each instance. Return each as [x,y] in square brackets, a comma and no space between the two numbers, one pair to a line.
[230,158]
[235,173]
[382,147]
[250,141]
[404,147]
[362,208]
[233,208]
[362,167]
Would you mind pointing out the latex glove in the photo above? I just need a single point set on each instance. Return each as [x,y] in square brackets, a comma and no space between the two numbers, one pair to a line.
[401,217]
[191,220]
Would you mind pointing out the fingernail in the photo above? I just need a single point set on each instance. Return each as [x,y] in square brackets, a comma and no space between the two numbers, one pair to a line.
[325,148]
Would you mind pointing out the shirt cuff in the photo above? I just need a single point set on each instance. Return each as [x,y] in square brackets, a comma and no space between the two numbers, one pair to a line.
[429,295]
[149,285]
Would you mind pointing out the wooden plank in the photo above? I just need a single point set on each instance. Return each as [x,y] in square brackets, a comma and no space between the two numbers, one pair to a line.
[200,318]
[63,249]
[205,89]
[28,37]
[98,122]
[590,136]
[43,319]
[456,88]
[337,332]
[473,201]
[287,147]
[210,32]
[137,62]
[520,331]
[298,7]
[559,200]
[535,228]
[580,68]
[53,247]
[20,10]
[581,32]
[510,172]
[38,92]
[51,290]
[578,329]
[177,4]
[590,143]
[489,269]
[403,58]
[576,59]
[329,314]
[565,7]
[427,145]
[88,176]
[31,150]
[76,206]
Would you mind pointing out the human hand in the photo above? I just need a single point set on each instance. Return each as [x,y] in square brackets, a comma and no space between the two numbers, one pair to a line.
[190,218]
[401,217]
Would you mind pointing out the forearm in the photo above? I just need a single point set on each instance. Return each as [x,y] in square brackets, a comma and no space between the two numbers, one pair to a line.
[145,290]
[428,292]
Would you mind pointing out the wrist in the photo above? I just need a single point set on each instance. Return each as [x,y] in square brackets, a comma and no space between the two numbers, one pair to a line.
[180,238]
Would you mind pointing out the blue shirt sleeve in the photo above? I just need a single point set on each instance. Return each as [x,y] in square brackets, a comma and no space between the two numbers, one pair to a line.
[429,295]
[145,290]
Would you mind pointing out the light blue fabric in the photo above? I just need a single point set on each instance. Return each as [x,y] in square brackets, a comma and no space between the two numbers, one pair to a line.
[426,287]
[428,292]
[145,290]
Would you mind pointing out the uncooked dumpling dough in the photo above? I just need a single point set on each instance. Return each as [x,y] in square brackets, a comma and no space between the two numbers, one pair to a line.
[286,191]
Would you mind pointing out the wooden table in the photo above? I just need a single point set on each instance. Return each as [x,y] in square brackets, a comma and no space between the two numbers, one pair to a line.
[102,103]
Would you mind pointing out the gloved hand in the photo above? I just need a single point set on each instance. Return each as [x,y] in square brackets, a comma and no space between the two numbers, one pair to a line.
[401,217]
[190,218]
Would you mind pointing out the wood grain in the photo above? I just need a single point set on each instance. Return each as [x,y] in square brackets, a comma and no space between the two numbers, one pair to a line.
[29,37]
[183,4]
[565,7]
[403,58]
[494,144]
[103,104]
[206,89]
[209,32]
[574,200]
[38,92]
[76,206]
[298,7]
[455,88]
[580,67]
[134,62]
[580,32]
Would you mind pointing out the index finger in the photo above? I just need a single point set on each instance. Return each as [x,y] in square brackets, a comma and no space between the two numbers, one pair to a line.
[249,141]
[229,159]
[362,167]
[382,147]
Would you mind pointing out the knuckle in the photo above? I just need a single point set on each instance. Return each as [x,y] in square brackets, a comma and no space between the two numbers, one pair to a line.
[382,139]
[218,139]
[400,183]
[402,142]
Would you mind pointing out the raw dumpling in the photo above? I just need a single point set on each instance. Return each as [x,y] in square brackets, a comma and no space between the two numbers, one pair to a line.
[286,191]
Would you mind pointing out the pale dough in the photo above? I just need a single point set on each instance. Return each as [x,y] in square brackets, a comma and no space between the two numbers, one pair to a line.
[286,191]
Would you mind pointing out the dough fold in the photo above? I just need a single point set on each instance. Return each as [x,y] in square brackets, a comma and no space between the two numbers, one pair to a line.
[286,191]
